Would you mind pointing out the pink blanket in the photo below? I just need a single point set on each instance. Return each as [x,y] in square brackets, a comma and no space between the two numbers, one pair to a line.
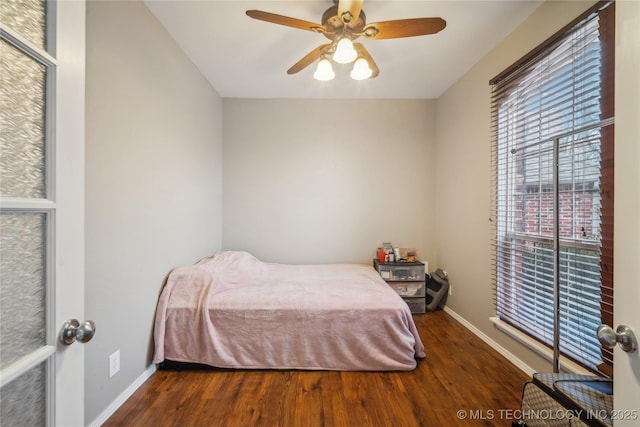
[232,310]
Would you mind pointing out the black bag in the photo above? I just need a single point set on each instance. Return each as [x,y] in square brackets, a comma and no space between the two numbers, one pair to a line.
[437,290]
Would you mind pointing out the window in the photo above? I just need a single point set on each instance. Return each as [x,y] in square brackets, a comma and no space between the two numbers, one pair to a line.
[552,171]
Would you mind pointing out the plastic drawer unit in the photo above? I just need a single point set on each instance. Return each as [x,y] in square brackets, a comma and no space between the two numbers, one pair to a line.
[407,279]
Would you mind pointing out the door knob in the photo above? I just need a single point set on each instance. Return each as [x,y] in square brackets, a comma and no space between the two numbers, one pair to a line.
[623,335]
[73,331]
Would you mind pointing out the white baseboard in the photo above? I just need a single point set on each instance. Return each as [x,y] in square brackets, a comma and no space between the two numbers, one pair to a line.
[111,409]
[497,347]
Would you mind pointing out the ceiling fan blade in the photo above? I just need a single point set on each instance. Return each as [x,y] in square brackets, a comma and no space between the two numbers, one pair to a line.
[359,47]
[352,6]
[404,28]
[285,20]
[309,58]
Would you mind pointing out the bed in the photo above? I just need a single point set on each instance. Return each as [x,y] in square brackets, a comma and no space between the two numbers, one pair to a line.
[232,310]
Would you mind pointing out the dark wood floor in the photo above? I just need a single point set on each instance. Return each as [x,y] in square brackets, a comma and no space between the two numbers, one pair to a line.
[461,382]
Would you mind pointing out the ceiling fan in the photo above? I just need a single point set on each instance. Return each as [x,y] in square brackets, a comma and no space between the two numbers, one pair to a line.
[342,23]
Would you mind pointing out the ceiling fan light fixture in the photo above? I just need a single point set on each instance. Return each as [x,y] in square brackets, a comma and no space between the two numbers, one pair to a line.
[345,53]
[361,70]
[324,72]
[342,23]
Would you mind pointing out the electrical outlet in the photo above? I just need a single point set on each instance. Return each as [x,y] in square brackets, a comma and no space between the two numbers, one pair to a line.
[450,291]
[114,363]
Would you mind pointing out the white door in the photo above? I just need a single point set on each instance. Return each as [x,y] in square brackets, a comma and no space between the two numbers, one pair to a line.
[42,211]
[627,210]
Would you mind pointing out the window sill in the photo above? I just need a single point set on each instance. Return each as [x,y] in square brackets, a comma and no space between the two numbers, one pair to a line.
[566,365]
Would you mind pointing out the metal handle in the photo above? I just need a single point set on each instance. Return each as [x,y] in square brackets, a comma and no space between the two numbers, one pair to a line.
[623,336]
[73,331]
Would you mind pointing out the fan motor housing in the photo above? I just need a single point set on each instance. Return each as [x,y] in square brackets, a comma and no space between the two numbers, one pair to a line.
[334,25]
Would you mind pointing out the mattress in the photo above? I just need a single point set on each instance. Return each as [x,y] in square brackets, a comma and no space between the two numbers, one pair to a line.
[232,310]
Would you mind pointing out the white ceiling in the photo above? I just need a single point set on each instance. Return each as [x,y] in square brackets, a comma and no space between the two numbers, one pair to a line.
[247,58]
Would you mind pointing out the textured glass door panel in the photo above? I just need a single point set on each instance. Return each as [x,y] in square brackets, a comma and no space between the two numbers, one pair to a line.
[27,85]
[22,124]
[23,401]
[22,285]
[26,17]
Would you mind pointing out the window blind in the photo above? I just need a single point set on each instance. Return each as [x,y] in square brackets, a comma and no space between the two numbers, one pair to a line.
[552,173]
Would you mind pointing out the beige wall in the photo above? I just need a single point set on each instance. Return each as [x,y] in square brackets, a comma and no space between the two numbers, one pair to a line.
[463,181]
[320,181]
[153,183]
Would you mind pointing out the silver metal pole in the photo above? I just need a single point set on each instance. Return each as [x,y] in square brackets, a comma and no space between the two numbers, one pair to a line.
[556,256]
